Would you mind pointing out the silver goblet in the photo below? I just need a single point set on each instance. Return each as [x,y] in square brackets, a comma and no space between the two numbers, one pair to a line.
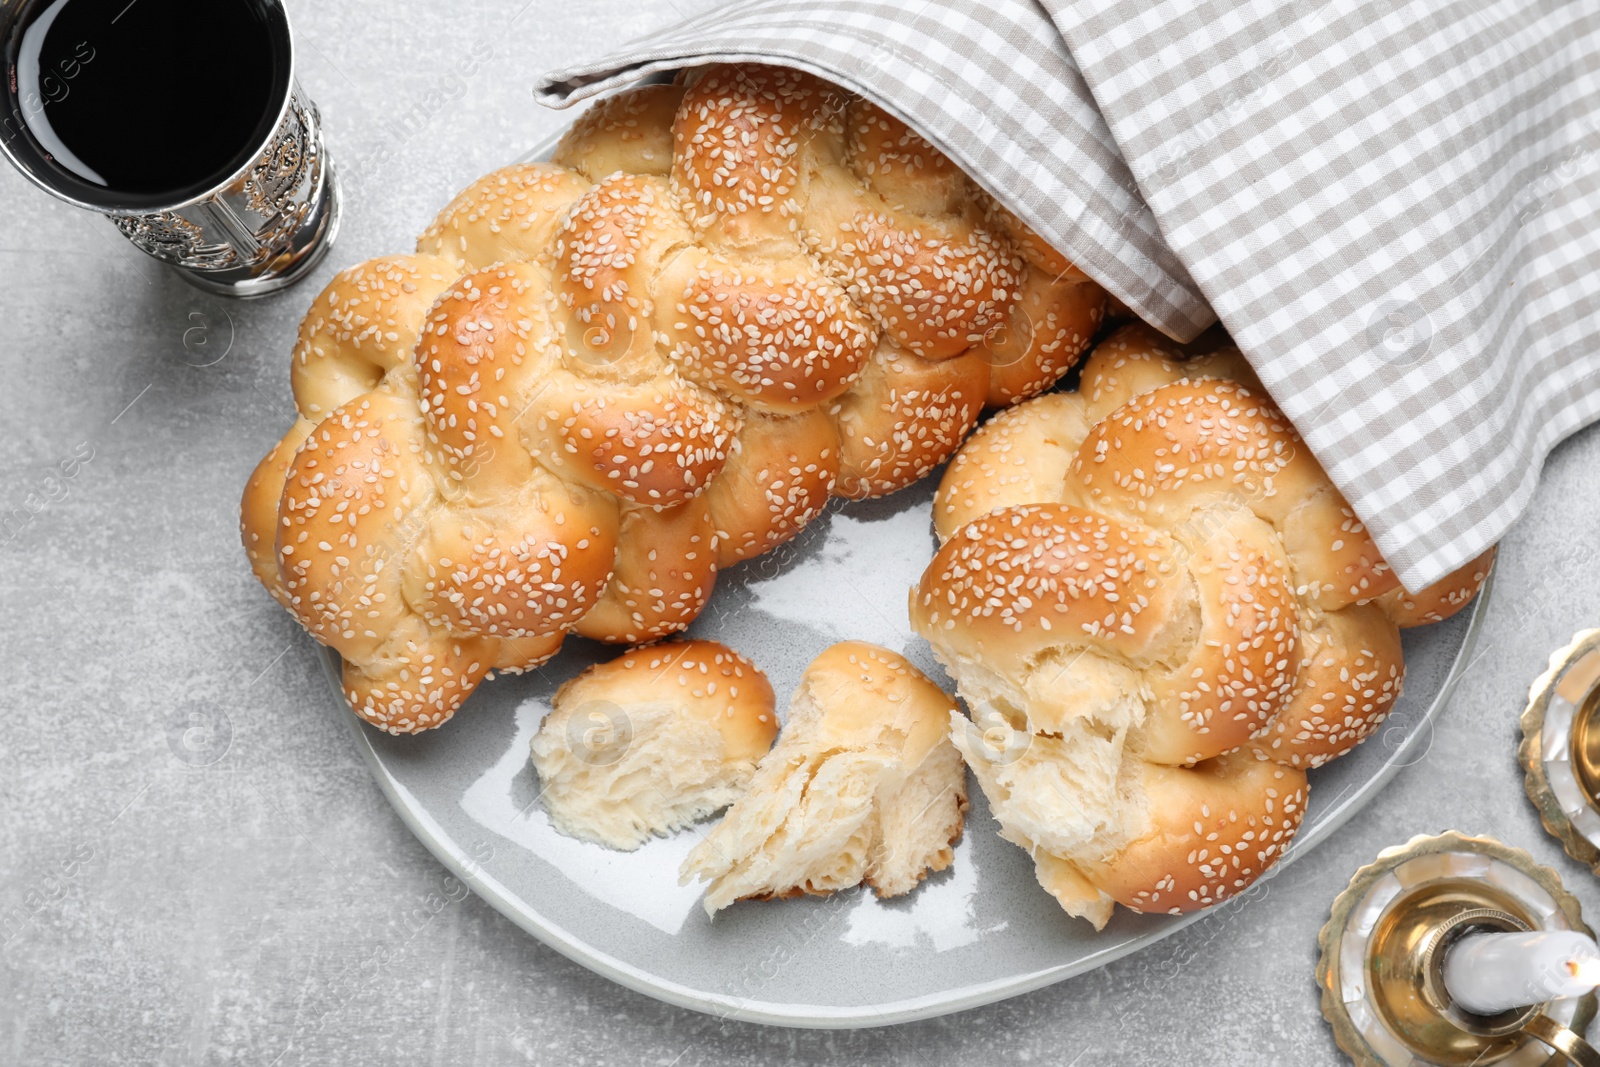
[261,227]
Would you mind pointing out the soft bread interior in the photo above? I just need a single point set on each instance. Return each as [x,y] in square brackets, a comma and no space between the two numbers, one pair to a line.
[918,823]
[1050,757]
[862,786]
[651,741]
[625,780]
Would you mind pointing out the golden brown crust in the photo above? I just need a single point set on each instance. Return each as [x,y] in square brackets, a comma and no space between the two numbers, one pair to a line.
[258,509]
[508,215]
[1017,581]
[780,336]
[1443,598]
[1240,670]
[1033,248]
[894,161]
[362,326]
[904,417]
[1050,326]
[937,284]
[1137,358]
[608,252]
[1336,562]
[518,654]
[666,565]
[629,132]
[415,681]
[1190,444]
[724,301]
[710,681]
[779,475]
[1217,827]
[1351,671]
[1020,456]
[353,501]
[522,567]
[657,443]
[487,338]
[738,138]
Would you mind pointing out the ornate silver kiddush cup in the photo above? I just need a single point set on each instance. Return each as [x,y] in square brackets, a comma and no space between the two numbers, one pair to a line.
[261,228]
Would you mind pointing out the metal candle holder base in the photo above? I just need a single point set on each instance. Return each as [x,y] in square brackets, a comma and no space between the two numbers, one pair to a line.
[1383,951]
[1560,750]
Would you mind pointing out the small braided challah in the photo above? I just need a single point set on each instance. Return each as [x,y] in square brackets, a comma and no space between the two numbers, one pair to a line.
[600,379]
[1160,612]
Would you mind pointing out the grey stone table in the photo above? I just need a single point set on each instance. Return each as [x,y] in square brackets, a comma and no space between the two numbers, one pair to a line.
[252,910]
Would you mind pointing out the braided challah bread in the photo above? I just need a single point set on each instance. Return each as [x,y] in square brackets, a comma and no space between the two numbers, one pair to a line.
[1160,612]
[600,379]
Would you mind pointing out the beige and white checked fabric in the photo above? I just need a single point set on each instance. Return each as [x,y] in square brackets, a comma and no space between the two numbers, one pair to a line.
[1393,206]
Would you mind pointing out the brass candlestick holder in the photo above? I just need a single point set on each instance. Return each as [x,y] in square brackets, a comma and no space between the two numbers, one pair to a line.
[1384,945]
[1560,750]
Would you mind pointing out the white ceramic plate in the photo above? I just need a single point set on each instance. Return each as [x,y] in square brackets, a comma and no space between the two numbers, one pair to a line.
[979,932]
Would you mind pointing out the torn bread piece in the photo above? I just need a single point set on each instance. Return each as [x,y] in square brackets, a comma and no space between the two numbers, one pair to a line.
[862,786]
[652,741]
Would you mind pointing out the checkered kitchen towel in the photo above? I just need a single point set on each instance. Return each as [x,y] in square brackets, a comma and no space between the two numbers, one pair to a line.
[1393,206]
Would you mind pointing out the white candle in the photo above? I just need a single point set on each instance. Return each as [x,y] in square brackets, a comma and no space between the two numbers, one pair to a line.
[1490,973]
